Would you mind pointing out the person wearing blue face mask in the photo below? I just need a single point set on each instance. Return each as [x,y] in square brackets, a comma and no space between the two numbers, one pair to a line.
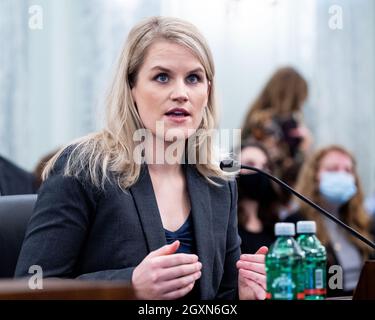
[337,187]
[330,179]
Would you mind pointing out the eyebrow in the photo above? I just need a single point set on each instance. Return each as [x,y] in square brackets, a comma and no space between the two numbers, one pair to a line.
[199,69]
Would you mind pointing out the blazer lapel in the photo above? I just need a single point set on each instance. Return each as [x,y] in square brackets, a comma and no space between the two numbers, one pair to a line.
[145,201]
[202,221]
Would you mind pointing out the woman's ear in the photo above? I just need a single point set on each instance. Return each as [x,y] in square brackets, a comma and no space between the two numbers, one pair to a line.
[209,88]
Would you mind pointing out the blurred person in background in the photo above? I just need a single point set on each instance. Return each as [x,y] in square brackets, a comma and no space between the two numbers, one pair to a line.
[14,180]
[330,179]
[257,199]
[275,119]
[370,204]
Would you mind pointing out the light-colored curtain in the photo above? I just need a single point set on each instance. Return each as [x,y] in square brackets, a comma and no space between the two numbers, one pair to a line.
[53,81]
[13,78]
[342,104]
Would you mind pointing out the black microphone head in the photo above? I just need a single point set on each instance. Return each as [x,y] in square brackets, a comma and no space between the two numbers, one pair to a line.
[229,165]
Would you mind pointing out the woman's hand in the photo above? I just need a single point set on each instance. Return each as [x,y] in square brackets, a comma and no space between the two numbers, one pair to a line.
[252,275]
[162,274]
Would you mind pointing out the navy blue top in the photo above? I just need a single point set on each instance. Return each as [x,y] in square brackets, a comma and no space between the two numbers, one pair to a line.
[185,234]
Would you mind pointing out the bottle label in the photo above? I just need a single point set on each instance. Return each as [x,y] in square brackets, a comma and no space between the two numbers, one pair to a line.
[283,287]
[319,282]
[315,292]
[300,296]
[315,280]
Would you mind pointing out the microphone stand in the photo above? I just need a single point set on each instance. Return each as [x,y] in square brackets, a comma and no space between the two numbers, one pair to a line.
[314,205]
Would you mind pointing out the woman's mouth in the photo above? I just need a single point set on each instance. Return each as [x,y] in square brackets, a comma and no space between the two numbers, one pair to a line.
[177,114]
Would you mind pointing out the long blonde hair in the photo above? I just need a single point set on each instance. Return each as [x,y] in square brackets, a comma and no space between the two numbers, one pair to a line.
[352,213]
[111,149]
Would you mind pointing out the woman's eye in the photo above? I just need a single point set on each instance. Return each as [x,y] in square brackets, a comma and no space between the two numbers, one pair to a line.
[193,78]
[162,77]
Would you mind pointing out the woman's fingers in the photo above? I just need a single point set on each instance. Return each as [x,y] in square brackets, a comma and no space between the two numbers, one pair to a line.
[178,293]
[179,271]
[254,276]
[252,272]
[259,292]
[262,250]
[176,259]
[258,258]
[176,284]
[257,267]
[165,250]
[166,274]
[174,288]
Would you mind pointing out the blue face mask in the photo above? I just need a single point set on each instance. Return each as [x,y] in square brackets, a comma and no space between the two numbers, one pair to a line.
[337,187]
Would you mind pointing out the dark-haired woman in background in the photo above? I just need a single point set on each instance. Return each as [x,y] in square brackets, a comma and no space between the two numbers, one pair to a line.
[257,200]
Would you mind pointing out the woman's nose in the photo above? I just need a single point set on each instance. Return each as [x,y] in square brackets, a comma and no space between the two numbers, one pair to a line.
[179,92]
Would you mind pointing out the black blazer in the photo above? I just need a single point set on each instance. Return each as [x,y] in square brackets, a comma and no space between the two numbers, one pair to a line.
[78,231]
[14,180]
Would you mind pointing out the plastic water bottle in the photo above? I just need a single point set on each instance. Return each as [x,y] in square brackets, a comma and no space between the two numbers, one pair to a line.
[315,263]
[284,265]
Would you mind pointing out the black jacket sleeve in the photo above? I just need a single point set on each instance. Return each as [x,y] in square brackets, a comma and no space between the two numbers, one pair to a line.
[58,229]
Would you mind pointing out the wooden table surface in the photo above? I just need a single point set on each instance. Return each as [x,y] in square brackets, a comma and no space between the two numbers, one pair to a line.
[65,289]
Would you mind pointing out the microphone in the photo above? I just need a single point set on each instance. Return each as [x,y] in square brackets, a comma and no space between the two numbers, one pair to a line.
[230,165]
